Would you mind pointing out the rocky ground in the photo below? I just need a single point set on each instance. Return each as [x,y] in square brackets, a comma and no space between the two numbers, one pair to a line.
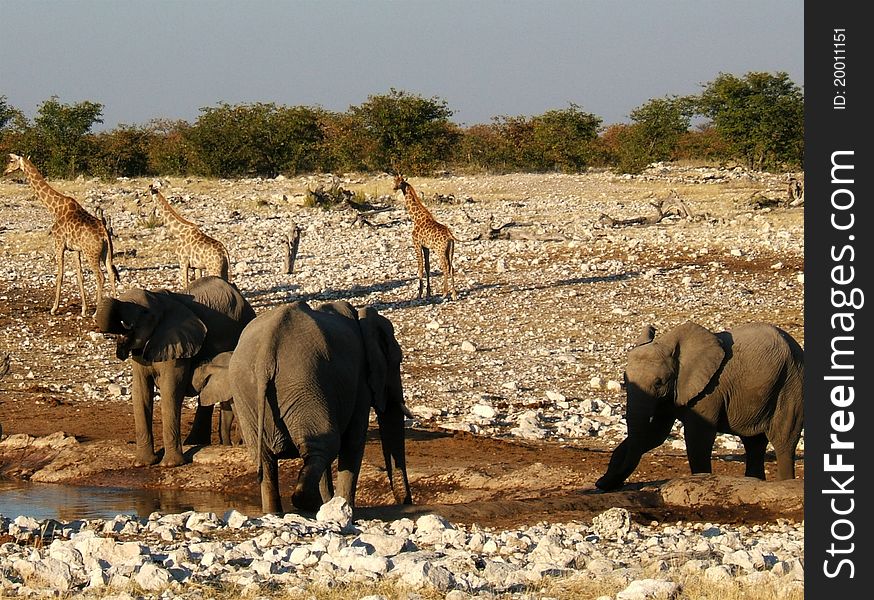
[514,387]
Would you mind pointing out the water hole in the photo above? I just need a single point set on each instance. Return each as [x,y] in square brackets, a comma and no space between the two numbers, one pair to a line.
[68,503]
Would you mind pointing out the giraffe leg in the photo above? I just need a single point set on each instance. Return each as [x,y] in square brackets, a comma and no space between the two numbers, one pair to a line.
[59,259]
[426,255]
[98,276]
[420,250]
[110,271]
[183,266]
[448,272]
[81,279]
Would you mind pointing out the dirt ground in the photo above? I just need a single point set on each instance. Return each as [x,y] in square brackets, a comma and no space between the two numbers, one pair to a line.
[465,477]
[469,478]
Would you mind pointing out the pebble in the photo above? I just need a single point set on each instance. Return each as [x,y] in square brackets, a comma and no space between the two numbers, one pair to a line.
[428,553]
[515,359]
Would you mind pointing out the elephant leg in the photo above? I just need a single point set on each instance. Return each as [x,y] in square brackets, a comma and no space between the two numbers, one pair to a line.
[201,427]
[318,443]
[785,461]
[627,454]
[170,382]
[326,485]
[754,449]
[700,437]
[351,454]
[391,433]
[142,393]
[307,493]
[226,422]
[271,503]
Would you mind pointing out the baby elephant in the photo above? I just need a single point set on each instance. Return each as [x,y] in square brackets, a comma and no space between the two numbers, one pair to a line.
[747,381]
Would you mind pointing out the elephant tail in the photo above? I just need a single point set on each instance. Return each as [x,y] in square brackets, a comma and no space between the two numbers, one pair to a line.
[261,393]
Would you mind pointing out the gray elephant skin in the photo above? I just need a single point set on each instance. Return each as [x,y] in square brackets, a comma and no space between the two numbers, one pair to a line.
[210,380]
[747,381]
[167,334]
[303,382]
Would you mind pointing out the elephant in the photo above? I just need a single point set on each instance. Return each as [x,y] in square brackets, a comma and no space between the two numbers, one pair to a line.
[747,381]
[167,334]
[303,381]
[209,379]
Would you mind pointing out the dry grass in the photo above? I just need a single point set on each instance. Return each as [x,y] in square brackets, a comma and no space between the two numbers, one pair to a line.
[576,587]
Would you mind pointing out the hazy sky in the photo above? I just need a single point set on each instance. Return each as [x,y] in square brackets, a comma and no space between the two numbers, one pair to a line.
[148,59]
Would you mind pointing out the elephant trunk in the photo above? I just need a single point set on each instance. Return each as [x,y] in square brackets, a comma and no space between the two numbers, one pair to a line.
[391,433]
[626,456]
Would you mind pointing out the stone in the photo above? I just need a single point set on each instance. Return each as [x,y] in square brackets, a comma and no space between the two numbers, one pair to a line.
[337,511]
[153,578]
[614,523]
[647,589]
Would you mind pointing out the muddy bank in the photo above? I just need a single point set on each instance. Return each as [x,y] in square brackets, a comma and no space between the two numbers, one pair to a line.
[532,484]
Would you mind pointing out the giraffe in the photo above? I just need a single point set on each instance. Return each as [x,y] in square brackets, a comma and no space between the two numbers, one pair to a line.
[429,234]
[196,250]
[74,229]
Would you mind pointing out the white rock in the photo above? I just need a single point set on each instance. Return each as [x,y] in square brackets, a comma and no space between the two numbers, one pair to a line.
[555,396]
[468,346]
[646,589]
[336,510]
[153,578]
[614,386]
[484,411]
[614,523]
[235,519]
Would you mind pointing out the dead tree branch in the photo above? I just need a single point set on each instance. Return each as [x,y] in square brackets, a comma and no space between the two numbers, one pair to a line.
[673,205]
[292,243]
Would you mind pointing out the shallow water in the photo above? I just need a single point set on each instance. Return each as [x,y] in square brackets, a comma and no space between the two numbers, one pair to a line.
[67,503]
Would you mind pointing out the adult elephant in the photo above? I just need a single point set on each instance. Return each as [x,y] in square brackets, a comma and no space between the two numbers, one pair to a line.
[167,334]
[303,382]
[747,382]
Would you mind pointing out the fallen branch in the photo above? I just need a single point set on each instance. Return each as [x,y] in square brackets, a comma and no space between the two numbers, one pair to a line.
[673,205]
[506,232]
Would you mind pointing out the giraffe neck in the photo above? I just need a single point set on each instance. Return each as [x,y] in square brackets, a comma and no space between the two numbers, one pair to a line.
[417,210]
[57,203]
[175,222]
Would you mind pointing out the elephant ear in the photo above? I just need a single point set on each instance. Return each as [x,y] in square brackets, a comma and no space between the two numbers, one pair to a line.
[646,335]
[382,350]
[698,354]
[210,380]
[178,332]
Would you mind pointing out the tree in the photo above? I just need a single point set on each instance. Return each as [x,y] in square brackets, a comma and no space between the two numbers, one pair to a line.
[62,130]
[406,131]
[760,116]
[6,112]
[170,151]
[653,135]
[122,152]
[562,138]
[256,139]
[661,122]
[14,130]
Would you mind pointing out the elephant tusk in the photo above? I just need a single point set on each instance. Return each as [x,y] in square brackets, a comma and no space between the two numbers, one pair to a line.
[126,326]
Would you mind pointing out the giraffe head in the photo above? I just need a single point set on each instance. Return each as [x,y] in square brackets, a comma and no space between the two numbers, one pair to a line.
[15,163]
[400,184]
